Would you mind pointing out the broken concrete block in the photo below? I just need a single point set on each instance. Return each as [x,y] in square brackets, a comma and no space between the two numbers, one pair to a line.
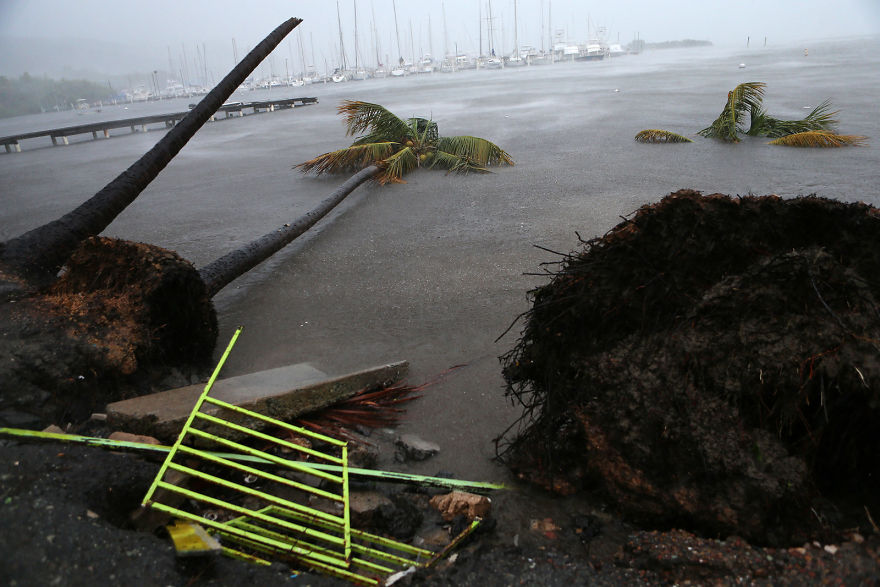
[283,393]
[412,448]
[460,503]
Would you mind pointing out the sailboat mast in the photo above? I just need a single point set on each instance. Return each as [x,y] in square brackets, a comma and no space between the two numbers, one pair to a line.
[445,32]
[341,43]
[515,33]
[412,43]
[376,34]
[302,54]
[397,30]
[490,29]
[430,38]
[542,27]
[354,5]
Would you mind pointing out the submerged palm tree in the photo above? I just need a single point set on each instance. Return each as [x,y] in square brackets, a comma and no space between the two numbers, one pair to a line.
[819,138]
[654,135]
[396,146]
[744,104]
[742,101]
[819,120]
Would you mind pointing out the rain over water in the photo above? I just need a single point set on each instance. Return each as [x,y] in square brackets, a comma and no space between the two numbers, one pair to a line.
[435,270]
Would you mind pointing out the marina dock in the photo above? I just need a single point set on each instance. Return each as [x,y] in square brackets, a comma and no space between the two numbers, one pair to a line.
[102,129]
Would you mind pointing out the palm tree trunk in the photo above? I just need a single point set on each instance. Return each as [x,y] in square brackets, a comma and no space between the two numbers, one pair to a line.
[40,253]
[221,272]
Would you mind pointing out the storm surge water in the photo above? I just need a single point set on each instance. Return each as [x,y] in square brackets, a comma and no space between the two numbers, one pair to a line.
[434,270]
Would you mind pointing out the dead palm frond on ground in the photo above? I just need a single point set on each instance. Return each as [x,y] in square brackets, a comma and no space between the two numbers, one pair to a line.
[369,408]
[397,146]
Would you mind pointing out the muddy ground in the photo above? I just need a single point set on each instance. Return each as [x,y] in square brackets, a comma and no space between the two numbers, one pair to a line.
[64,510]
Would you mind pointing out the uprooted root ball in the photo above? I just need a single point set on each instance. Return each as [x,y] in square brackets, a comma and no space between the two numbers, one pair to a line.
[711,363]
[120,314]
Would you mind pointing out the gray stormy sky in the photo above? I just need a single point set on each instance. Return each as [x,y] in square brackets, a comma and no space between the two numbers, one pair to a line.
[135,35]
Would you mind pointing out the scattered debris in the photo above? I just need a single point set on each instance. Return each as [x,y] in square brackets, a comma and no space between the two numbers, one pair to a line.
[544,525]
[284,393]
[190,539]
[372,407]
[266,520]
[412,448]
[459,503]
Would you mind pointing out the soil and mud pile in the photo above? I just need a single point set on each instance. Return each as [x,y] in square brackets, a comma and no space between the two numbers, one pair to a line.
[120,315]
[711,363]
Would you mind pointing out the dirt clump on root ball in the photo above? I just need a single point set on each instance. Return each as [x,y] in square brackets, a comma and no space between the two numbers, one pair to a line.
[120,316]
[712,363]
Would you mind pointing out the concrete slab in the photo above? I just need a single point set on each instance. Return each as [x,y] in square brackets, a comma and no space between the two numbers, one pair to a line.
[283,393]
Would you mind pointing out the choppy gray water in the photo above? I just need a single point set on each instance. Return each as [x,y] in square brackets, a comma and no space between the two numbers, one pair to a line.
[433,271]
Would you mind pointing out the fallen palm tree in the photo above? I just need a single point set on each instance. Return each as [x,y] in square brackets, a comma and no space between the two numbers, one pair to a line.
[396,146]
[86,317]
[710,363]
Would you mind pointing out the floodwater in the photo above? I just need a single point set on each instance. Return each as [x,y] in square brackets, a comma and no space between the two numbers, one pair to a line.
[435,270]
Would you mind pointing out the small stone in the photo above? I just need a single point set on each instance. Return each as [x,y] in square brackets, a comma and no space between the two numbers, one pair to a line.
[413,448]
[545,525]
[363,506]
[92,515]
[53,429]
[437,538]
[831,549]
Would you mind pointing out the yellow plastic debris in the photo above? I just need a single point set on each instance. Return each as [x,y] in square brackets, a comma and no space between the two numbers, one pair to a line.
[192,540]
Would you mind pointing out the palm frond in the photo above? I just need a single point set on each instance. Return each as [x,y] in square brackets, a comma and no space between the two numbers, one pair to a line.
[382,124]
[744,99]
[479,152]
[425,129]
[351,158]
[456,163]
[820,119]
[653,135]
[760,121]
[397,165]
[820,138]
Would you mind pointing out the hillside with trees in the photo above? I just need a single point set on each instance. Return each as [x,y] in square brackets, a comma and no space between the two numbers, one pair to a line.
[31,95]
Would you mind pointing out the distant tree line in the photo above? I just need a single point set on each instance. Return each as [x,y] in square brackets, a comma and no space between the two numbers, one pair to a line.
[679,44]
[31,95]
